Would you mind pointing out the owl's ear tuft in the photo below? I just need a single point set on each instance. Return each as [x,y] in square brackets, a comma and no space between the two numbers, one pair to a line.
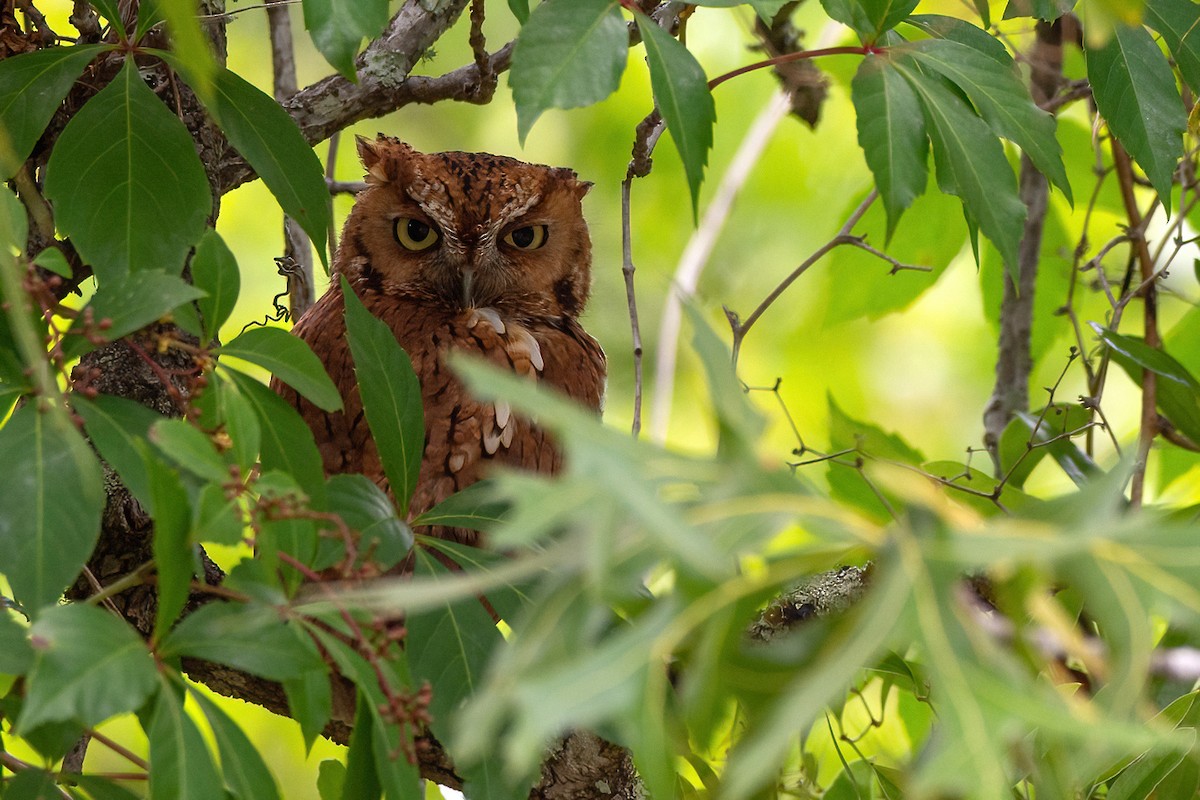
[382,157]
[582,188]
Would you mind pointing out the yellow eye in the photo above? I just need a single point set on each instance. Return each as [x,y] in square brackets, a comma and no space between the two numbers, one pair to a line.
[530,237]
[414,234]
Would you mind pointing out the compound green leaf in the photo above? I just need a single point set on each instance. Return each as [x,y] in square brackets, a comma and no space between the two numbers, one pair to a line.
[891,133]
[1001,99]
[682,96]
[88,665]
[1135,92]
[338,27]
[126,183]
[291,360]
[970,162]
[46,535]
[391,396]
[32,86]
[267,137]
[569,53]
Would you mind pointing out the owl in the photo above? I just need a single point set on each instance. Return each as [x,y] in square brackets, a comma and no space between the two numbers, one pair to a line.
[458,252]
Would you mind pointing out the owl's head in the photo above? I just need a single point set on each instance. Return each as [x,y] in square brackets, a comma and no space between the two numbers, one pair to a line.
[470,230]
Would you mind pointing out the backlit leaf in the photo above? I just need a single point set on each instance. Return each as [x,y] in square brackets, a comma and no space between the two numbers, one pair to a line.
[391,396]
[891,132]
[126,183]
[1176,21]
[44,541]
[569,53]
[1135,93]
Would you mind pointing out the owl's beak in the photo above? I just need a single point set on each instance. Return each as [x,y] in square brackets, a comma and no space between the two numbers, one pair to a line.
[468,284]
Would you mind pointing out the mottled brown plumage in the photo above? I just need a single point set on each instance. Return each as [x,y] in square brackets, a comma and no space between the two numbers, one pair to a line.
[464,252]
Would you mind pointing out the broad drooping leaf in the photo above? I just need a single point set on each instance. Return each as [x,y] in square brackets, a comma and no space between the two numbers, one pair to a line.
[183,765]
[1176,21]
[391,396]
[1178,391]
[1135,93]
[215,271]
[1048,10]
[682,96]
[970,162]
[89,665]
[126,183]
[338,28]
[267,137]
[46,536]
[891,132]
[1001,99]
[32,86]
[291,360]
[173,559]
[380,533]
[569,53]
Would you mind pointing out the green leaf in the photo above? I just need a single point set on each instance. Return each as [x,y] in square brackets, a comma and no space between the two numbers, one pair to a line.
[330,780]
[361,778]
[845,432]
[244,770]
[190,449]
[519,9]
[569,53]
[475,508]
[126,183]
[15,653]
[247,636]
[310,703]
[1135,92]
[287,442]
[1001,99]
[53,260]
[215,272]
[88,666]
[1178,394]
[188,43]
[391,396]
[1048,10]
[102,788]
[291,360]
[886,14]
[217,518]
[267,137]
[364,507]
[1074,462]
[31,784]
[223,406]
[940,26]
[32,87]
[182,766]
[450,647]
[116,426]
[891,133]
[338,28]
[45,538]
[739,424]
[970,162]
[1143,776]
[1176,21]
[173,557]
[130,303]
[682,96]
